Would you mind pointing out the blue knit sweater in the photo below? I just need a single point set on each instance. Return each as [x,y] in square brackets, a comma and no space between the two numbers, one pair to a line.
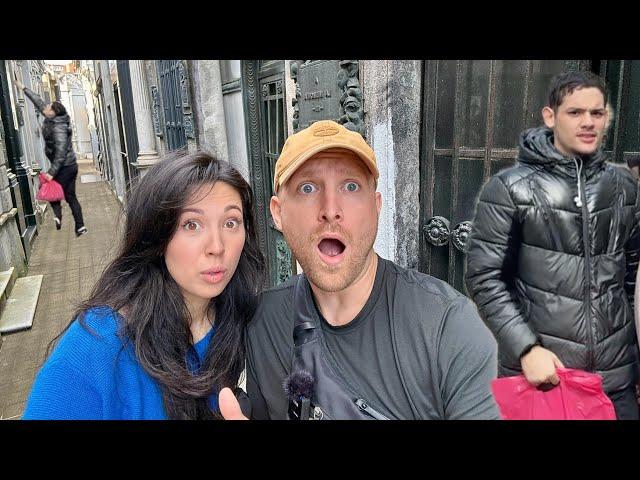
[92,377]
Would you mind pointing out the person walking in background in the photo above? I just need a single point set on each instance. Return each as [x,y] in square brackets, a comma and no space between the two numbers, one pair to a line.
[56,132]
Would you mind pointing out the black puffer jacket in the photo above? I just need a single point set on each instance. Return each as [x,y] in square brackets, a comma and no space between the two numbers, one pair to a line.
[56,133]
[546,268]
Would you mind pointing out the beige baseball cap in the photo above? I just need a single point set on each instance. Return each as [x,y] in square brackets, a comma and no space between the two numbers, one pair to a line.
[317,137]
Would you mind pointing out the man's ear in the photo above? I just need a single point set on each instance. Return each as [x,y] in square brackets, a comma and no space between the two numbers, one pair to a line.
[275,207]
[549,117]
[378,202]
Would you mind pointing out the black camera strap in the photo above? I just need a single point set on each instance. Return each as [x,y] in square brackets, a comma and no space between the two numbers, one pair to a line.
[333,397]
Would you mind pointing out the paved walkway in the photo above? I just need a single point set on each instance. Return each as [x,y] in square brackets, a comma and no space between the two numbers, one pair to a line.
[70,265]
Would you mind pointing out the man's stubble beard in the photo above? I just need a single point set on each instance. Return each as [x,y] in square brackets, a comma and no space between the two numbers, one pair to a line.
[331,278]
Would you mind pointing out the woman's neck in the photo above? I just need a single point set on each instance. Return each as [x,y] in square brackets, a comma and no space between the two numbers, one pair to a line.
[201,322]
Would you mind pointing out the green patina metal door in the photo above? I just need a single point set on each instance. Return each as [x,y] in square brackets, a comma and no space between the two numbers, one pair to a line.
[266,121]
[473,113]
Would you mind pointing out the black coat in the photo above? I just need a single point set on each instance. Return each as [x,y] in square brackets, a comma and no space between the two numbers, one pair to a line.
[57,134]
[546,268]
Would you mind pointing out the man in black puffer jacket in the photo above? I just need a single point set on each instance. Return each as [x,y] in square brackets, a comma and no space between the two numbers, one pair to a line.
[553,255]
[56,132]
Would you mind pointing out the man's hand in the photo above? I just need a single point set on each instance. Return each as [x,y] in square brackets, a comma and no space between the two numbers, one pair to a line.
[48,177]
[539,366]
[229,406]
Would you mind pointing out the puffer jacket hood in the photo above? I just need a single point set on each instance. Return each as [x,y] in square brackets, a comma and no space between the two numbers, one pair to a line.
[536,148]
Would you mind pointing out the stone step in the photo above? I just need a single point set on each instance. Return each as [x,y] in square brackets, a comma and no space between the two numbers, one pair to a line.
[21,305]
[7,279]
[5,285]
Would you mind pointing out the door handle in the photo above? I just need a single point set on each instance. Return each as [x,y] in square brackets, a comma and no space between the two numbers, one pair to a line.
[437,231]
[460,235]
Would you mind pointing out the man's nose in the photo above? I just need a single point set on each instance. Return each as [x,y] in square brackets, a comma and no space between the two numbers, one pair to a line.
[331,210]
[587,120]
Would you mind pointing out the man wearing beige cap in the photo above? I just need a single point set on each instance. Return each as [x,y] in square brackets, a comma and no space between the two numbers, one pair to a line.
[356,336]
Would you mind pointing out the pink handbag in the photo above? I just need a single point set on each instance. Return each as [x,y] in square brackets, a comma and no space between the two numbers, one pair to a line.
[578,396]
[50,190]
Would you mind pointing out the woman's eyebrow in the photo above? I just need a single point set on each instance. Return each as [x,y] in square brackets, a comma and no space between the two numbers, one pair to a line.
[231,207]
[195,210]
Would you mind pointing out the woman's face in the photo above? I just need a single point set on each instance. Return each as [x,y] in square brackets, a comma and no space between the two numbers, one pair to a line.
[203,254]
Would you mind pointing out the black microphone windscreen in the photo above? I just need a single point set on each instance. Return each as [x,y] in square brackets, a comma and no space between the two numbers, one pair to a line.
[299,384]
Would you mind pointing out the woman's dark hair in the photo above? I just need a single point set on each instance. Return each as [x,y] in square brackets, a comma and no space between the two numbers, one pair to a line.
[564,84]
[58,108]
[156,319]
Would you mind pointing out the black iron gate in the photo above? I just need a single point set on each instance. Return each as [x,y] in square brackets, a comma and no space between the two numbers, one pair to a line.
[169,73]
[263,90]
[127,114]
[473,113]
[121,135]
[623,81]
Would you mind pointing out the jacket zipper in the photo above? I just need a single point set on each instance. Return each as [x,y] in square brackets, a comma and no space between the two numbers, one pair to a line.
[587,261]
[365,407]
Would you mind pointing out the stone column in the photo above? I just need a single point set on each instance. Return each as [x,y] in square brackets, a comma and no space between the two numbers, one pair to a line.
[147,154]
[392,93]
[210,102]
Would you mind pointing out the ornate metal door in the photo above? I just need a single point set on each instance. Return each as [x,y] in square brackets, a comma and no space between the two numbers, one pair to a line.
[473,114]
[172,102]
[123,147]
[128,117]
[265,114]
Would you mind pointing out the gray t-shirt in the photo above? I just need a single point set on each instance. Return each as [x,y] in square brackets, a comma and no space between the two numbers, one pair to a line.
[416,350]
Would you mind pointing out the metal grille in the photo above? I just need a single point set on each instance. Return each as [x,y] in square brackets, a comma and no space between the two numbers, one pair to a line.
[168,71]
[272,109]
[623,82]
[473,114]
[128,115]
[272,135]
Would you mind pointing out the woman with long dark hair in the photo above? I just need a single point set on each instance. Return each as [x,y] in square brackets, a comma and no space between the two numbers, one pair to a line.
[56,132]
[162,332]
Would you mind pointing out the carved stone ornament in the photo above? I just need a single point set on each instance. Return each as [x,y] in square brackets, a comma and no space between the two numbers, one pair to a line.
[187,121]
[351,105]
[250,86]
[294,68]
[184,85]
[155,102]
[283,256]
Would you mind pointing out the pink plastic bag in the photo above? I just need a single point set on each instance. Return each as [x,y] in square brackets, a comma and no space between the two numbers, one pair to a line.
[578,396]
[50,190]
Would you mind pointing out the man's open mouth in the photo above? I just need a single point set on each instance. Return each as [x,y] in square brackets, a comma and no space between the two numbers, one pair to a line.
[331,247]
